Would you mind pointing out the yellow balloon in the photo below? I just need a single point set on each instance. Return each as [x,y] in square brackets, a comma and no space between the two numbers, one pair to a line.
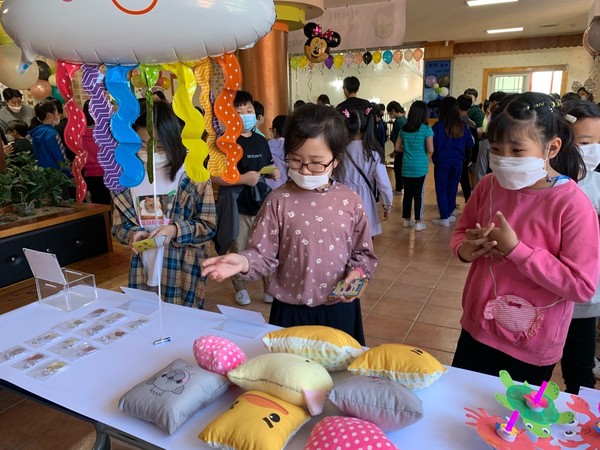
[294,62]
[377,57]
[303,62]
[338,60]
[137,81]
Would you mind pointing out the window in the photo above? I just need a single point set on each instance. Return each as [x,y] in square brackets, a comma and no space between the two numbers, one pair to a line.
[547,79]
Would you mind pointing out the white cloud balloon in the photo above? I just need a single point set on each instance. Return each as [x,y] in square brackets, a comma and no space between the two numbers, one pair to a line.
[134,31]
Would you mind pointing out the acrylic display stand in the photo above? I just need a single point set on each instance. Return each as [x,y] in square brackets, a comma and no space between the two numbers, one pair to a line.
[61,288]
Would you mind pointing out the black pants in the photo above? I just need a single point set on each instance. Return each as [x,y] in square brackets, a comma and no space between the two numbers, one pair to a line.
[398,170]
[578,355]
[465,184]
[413,190]
[473,355]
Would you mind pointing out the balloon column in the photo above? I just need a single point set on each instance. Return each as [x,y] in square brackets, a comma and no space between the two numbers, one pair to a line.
[319,42]
[121,38]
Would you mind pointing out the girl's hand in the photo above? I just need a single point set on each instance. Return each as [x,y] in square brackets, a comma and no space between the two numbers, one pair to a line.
[137,236]
[170,231]
[504,235]
[477,243]
[350,277]
[250,178]
[221,267]
[276,174]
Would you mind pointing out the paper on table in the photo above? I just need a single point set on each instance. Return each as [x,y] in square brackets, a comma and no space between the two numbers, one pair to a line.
[143,302]
[44,265]
[242,322]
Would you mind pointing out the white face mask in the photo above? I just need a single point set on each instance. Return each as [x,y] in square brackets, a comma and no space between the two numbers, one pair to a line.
[517,173]
[15,109]
[309,182]
[160,158]
[591,155]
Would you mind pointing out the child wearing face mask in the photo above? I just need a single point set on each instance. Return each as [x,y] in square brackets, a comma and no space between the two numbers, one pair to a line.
[238,203]
[172,207]
[531,235]
[578,359]
[311,232]
[48,146]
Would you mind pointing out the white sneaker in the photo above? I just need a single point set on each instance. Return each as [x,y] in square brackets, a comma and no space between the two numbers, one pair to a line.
[268,298]
[420,226]
[441,222]
[454,213]
[596,369]
[242,297]
[408,223]
[451,219]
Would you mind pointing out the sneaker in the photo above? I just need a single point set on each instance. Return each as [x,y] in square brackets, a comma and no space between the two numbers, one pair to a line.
[596,369]
[242,297]
[454,213]
[420,226]
[451,219]
[408,223]
[268,298]
[441,222]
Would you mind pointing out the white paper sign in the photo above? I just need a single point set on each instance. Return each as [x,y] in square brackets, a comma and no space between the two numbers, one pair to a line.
[242,322]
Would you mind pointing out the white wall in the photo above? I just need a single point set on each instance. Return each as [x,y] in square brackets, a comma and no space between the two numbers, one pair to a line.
[467,70]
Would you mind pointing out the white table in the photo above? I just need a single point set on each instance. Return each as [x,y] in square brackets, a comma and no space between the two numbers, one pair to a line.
[92,386]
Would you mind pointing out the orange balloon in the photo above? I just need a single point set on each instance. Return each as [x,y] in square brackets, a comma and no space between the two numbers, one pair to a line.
[398,56]
[418,54]
[41,89]
[358,58]
[164,83]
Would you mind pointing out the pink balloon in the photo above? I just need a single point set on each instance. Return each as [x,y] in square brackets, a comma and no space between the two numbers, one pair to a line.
[41,89]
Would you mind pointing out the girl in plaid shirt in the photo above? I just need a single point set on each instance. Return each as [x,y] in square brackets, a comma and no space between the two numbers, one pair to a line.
[174,206]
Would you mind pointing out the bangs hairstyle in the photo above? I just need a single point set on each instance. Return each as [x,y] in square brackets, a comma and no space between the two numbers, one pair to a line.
[315,121]
[540,118]
[167,130]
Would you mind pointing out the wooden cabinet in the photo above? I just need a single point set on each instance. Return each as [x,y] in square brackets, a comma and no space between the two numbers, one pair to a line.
[80,232]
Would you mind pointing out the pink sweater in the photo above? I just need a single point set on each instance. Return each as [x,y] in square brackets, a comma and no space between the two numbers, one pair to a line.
[308,240]
[557,258]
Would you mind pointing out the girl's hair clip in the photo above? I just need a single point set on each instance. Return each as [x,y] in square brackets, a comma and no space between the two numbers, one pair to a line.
[346,113]
[570,118]
[551,105]
[368,110]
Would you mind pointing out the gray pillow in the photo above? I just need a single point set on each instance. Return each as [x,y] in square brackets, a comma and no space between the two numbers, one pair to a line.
[171,396]
[387,404]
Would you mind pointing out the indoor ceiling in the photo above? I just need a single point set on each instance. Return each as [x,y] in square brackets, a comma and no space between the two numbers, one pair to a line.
[453,20]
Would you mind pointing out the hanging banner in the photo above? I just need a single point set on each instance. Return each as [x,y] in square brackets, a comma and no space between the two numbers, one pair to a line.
[371,25]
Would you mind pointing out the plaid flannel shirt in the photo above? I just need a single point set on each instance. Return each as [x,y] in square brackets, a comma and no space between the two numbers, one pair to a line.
[195,217]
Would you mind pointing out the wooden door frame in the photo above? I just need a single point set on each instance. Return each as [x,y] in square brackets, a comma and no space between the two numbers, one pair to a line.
[488,72]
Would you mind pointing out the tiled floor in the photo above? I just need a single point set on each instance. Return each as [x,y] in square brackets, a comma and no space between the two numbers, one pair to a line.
[414,298]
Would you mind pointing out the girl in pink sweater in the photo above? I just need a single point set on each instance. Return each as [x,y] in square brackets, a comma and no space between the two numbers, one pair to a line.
[532,237]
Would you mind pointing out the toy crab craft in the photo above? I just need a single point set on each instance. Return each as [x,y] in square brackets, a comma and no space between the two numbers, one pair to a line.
[537,408]
[588,431]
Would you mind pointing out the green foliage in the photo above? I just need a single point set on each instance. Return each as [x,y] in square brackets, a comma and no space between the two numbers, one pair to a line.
[25,182]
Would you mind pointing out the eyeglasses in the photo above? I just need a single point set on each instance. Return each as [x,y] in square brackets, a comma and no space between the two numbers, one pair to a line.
[294,164]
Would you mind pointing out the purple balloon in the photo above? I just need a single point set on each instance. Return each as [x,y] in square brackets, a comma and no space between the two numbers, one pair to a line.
[430,80]
[328,62]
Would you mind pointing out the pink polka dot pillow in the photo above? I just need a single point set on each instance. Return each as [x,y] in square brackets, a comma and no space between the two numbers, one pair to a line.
[348,433]
[217,354]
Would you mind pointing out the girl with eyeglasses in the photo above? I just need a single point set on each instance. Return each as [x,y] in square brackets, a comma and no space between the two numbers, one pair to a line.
[310,233]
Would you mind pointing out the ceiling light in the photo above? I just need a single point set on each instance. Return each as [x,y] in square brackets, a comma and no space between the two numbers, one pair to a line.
[505,30]
[487,2]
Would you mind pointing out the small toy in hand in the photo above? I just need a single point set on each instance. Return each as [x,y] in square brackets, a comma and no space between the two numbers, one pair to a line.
[147,244]
[319,42]
[348,290]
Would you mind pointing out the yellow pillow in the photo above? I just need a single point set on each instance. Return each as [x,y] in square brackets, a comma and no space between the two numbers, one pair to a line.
[405,364]
[256,421]
[289,377]
[333,349]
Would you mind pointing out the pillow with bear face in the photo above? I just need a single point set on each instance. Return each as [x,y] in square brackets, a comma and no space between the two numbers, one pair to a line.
[348,433]
[405,364]
[387,404]
[217,354]
[171,396]
[333,349]
[256,421]
[289,377]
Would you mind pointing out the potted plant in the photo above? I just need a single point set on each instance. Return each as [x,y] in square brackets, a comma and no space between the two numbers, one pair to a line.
[25,185]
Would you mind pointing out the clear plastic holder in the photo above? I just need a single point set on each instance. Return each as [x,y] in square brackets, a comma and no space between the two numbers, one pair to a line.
[114,318]
[71,325]
[44,339]
[66,345]
[94,329]
[32,360]
[137,323]
[79,350]
[48,369]
[111,337]
[10,354]
[96,313]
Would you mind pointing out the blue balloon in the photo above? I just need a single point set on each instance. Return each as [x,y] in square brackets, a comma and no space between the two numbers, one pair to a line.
[429,95]
[387,56]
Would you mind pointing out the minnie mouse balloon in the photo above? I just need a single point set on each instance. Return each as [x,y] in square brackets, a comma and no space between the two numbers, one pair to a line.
[319,42]
[123,31]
